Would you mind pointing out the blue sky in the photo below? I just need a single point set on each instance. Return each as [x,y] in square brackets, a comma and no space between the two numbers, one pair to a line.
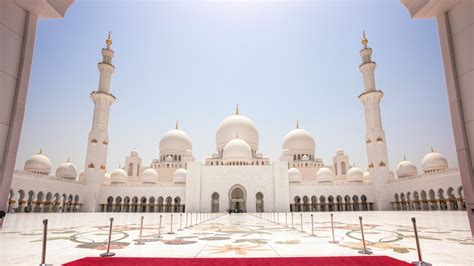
[194,61]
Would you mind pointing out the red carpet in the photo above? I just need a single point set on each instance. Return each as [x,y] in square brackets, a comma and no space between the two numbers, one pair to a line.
[282,261]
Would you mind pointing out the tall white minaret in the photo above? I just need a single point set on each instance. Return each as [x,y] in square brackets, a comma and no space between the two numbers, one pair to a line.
[375,135]
[96,157]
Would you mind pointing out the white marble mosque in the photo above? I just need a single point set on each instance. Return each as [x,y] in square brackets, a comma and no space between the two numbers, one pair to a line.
[236,175]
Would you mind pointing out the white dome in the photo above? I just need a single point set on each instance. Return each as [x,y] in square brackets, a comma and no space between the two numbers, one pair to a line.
[67,170]
[180,175]
[355,174]
[305,157]
[175,140]
[294,175]
[118,176]
[406,169]
[169,158]
[286,152]
[188,153]
[259,154]
[38,164]
[367,175]
[434,161]
[299,139]
[237,149]
[324,173]
[339,152]
[149,176]
[215,155]
[107,176]
[234,124]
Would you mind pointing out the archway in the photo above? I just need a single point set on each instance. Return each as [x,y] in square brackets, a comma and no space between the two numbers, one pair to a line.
[259,202]
[215,202]
[237,198]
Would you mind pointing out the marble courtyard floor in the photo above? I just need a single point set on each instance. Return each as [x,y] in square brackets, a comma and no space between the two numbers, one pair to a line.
[445,236]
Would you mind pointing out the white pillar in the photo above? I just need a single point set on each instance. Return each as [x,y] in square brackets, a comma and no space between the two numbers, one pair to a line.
[18,22]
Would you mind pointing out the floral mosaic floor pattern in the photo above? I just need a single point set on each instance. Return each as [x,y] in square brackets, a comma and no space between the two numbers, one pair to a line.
[445,236]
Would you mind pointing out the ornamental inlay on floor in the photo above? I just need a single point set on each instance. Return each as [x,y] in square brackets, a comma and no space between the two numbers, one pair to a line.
[445,236]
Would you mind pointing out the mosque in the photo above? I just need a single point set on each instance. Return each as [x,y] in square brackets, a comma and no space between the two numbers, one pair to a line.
[237,175]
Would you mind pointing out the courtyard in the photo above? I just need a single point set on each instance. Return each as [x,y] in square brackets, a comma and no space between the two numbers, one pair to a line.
[445,236]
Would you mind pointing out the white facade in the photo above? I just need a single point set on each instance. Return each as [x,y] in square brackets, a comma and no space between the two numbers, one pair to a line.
[236,175]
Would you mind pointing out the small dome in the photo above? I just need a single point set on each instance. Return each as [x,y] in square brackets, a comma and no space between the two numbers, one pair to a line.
[294,175]
[67,170]
[188,153]
[367,175]
[38,164]
[175,140]
[259,154]
[169,158]
[118,176]
[406,169]
[286,152]
[299,139]
[180,175]
[215,155]
[237,149]
[355,175]
[149,176]
[107,176]
[434,162]
[134,154]
[324,174]
[305,157]
[236,123]
[339,152]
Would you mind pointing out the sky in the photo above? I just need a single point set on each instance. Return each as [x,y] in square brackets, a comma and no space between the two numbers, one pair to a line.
[194,61]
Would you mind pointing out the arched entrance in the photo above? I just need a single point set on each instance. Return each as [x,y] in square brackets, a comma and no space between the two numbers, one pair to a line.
[237,198]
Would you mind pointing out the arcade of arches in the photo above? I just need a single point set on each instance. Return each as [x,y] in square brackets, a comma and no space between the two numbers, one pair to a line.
[42,202]
[142,204]
[432,200]
[331,203]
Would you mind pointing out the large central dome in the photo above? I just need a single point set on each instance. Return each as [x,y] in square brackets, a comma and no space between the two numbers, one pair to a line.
[175,140]
[237,124]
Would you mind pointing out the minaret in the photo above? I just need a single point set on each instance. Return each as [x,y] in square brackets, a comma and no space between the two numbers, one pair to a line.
[96,157]
[375,135]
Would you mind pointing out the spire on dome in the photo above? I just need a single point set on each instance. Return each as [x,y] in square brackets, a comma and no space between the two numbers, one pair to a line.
[237,110]
[404,158]
[108,42]
[364,40]
[68,160]
[40,151]
[432,149]
[297,124]
[177,124]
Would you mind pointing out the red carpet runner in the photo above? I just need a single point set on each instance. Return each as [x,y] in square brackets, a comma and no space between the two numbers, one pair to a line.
[282,261]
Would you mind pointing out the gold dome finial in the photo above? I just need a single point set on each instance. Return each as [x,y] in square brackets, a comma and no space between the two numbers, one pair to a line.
[404,158]
[177,124]
[297,124]
[237,110]
[364,40]
[68,160]
[40,151]
[432,149]
[108,41]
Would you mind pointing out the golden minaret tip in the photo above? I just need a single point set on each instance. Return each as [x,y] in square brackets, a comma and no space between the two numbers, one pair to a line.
[237,110]
[364,40]
[297,124]
[40,151]
[177,124]
[108,41]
